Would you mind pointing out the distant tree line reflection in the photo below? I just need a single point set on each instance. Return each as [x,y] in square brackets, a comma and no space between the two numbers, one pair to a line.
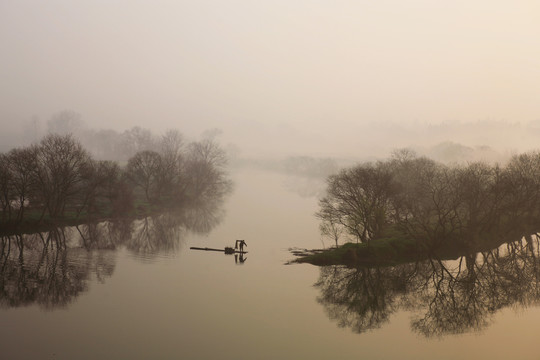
[445,297]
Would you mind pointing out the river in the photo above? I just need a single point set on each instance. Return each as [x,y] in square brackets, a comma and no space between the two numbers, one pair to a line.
[169,302]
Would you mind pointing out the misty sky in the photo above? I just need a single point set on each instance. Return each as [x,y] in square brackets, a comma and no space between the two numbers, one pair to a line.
[310,74]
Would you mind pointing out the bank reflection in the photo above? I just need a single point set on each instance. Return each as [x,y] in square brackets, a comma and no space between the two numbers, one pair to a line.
[51,269]
[445,297]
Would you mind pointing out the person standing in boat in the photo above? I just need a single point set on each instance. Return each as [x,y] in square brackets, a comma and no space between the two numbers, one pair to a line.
[240,244]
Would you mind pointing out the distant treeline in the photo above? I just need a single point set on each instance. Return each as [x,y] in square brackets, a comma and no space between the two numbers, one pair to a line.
[435,204]
[58,178]
[103,144]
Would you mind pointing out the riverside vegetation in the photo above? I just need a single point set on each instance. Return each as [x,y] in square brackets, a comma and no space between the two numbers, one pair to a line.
[57,181]
[409,207]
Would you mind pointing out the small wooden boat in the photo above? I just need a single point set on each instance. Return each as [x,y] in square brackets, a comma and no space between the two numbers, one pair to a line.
[228,250]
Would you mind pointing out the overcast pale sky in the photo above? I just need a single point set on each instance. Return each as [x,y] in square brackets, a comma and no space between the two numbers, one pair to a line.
[318,67]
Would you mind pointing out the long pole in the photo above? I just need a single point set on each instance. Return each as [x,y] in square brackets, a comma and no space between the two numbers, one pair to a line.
[220,250]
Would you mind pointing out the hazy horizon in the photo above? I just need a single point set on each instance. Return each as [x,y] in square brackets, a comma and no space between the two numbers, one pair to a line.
[304,77]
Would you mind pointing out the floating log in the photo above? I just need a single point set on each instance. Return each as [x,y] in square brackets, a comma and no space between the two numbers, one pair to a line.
[227,250]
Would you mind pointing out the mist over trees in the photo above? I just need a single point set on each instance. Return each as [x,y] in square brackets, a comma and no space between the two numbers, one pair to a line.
[58,178]
[433,203]
[488,140]
[102,144]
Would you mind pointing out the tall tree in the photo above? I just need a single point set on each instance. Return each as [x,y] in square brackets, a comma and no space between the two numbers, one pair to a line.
[358,199]
[205,169]
[21,164]
[61,163]
[143,170]
[5,187]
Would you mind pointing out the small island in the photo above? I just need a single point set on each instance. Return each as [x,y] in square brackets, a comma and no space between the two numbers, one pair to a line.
[410,208]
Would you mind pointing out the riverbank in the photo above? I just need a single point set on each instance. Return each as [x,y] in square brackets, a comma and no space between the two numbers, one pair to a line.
[396,250]
[33,223]
[385,251]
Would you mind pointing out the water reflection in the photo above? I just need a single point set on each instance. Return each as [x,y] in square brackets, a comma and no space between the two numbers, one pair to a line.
[41,269]
[51,269]
[239,259]
[445,297]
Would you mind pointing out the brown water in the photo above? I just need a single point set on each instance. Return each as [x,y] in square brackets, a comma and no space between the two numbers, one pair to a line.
[148,300]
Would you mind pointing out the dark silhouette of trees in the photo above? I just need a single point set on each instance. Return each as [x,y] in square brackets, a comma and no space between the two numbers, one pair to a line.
[523,185]
[196,173]
[331,230]
[101,184]
[20,164]
[57,178]
[60,165]
[171,176]
[143,171]
[358,199]
[5,188]
[205,174]
[435,204]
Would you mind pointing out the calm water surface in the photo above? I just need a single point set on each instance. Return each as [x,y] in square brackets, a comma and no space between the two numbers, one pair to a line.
[165,301]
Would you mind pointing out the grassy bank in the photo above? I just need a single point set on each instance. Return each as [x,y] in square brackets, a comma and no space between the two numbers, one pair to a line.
[33,221]
[396,249]
[383,251]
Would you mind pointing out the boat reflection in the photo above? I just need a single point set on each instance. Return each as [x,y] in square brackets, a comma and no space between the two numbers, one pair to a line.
[445,297]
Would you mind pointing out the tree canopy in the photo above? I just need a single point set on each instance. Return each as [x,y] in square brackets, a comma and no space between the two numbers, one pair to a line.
[57,178]
[431,202]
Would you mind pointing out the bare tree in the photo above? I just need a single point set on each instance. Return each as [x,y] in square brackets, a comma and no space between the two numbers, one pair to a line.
[331,230]
[143,170]
[358,199]
[171,177]
[205,170]
[522,176]
[99,183]
[21,164]
[425,203]
[61,162]
[433,203]
[5,187]
[59,175]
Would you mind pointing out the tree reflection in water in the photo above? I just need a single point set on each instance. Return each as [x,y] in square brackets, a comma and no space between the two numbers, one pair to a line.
[41,269]
[162,234]
[52,268]
[445,297]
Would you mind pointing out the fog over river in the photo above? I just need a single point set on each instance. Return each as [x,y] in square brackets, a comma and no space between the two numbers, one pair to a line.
[112,111]
[153,297]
